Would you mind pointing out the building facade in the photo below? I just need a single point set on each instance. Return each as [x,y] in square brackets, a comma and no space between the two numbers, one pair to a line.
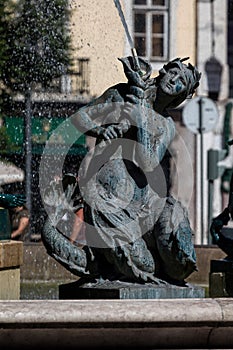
[160,30]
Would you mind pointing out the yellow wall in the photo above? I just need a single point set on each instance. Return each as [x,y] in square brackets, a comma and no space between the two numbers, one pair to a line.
[98,35]
[185,31]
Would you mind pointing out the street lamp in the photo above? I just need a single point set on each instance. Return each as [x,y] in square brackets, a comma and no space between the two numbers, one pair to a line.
[213,67]
[213,70]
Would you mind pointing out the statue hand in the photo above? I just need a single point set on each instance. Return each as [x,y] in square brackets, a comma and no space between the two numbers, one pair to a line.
[218,223]
[115,131]
[12,200]
[132,99]
[135,112]
[59,201]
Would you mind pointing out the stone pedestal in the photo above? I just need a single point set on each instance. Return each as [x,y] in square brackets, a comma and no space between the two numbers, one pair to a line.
[221,278]
[11,257]
[124,290]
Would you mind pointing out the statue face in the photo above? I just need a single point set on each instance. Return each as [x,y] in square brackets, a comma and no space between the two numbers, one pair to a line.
[174,82]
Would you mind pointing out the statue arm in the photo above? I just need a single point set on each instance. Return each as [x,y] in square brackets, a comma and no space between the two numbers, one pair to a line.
[153,141]
[86,118]
[154,131]
[154,134]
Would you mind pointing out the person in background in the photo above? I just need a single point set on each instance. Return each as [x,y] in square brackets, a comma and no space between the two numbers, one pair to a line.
[78,232]
[19,223]
[77,235]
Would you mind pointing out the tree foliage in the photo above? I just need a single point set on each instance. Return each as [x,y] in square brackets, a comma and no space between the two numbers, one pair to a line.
[5,13]
[38,43]
[37,50]
[5,142]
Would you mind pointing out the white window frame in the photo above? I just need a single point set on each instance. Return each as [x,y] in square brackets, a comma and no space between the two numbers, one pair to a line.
[149,10]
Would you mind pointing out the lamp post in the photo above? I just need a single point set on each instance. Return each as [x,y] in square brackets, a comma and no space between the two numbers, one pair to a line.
[213,69]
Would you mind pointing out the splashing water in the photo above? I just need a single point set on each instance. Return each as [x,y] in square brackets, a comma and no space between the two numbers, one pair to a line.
[130,40]
[122,17]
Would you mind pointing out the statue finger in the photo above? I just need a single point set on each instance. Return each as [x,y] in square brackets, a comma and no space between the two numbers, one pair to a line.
[110,134]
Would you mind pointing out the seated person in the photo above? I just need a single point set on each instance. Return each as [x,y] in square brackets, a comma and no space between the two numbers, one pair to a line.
[19,223]
[78,232]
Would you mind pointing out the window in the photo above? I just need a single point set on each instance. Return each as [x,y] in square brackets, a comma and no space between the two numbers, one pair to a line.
[150,20]
[74,82]
[83,83]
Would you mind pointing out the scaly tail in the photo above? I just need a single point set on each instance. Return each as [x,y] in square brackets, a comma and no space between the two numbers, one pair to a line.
[78,261]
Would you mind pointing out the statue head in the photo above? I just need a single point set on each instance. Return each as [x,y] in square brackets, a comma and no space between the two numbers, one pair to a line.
[178,80]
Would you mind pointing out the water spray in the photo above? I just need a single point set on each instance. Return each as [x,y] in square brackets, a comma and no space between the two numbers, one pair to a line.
[130,40]
[136,60]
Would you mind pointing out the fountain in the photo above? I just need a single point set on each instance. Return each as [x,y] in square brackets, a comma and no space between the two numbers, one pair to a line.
[138,237]
[134,265]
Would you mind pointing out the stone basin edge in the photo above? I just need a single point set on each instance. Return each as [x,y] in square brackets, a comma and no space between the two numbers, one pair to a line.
[179,323]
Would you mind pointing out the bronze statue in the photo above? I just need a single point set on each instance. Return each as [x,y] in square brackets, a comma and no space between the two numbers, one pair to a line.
[224,242]
[135,230]
[9,201]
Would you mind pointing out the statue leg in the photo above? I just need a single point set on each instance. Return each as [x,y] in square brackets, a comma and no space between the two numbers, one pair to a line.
[133,262]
